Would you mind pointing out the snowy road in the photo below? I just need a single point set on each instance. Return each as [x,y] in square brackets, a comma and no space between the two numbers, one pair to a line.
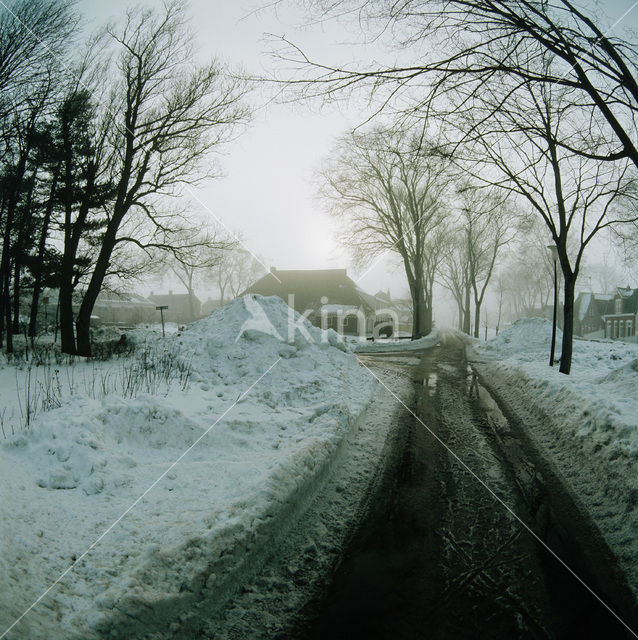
[410,535]
[440,556]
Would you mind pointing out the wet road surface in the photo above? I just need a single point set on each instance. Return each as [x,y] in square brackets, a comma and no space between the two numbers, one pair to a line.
[439,557]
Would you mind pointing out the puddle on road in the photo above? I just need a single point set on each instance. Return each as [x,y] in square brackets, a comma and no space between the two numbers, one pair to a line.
[430,381]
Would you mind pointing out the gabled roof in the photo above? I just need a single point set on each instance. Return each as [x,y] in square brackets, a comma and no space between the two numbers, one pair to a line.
[603,303]
[309,286]
[630,299]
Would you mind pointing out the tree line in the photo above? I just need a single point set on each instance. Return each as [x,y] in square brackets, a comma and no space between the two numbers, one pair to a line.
[532,101]
[97,140]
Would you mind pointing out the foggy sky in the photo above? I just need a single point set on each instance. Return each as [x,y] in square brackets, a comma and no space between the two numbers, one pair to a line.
[267,193]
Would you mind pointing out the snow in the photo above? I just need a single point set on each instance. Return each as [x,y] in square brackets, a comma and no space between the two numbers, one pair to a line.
[393,344]
[148,500]
[589,418]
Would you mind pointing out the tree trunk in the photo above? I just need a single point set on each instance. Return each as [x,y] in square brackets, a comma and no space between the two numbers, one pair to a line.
[37,275]
[466,315]
[15,323]
[477,317]
[428,319]
[83,321]
[6,311]
[65,301]
[419,310]
[568,324]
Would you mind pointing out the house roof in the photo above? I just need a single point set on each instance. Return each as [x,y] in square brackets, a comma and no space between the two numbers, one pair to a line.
[604,303]
[311,288]
[630,299]
[172,298]
[124,299]
[383,295]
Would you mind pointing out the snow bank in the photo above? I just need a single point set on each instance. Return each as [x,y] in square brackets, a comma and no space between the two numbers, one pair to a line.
[98,475]
[379,346]
[526,338]
[589,418]
[603,375]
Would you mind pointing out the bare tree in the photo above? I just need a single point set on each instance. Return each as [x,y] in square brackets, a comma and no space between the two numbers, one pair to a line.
[488,225]
[576,197]
[454,274]
[526,281]
[389,190]
[34,39]
[172,116]
[235,272]
[465,47]
[196,254]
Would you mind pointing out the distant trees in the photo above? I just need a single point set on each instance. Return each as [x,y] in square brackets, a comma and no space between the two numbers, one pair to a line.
[236,270]
[488,226]
[576,196]
[526,279]
[482,225]
[534,89]
[195,255]
[389,189]
[93,145]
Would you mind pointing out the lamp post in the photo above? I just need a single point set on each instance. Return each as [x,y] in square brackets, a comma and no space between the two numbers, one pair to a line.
[554,251]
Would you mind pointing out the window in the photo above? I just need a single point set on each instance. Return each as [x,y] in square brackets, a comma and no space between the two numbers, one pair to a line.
[618,305]
[608,332]
[615,335]
[630,327]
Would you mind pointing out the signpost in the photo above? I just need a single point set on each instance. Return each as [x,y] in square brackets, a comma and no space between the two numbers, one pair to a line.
[161,310]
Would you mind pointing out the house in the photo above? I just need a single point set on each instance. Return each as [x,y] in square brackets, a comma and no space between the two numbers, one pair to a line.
[123,308]
[621,321]
[327,297]
[402,309]
[181,307]
[589,312]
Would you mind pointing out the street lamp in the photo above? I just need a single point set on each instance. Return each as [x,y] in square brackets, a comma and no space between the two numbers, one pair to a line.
[554,251]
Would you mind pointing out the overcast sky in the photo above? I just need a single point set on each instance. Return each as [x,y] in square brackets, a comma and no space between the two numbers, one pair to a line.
[267,193]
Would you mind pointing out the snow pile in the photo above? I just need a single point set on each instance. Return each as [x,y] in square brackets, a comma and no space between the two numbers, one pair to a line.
[599,395]
[392,344]
[589,418]
[271,405]
[525,338]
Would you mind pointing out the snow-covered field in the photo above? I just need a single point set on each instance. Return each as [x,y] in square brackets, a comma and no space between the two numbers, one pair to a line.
[589,420]
[131,504]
